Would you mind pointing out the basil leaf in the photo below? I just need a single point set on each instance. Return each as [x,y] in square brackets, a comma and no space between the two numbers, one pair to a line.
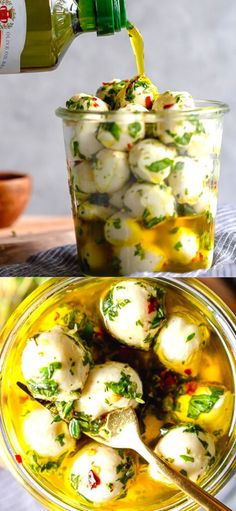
[158,166]
[203,403]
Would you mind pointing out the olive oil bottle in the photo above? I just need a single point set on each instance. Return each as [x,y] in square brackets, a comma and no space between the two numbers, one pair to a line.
[34,34]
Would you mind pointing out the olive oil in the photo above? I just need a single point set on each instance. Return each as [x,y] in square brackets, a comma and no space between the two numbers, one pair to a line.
[63,309]
[137,43]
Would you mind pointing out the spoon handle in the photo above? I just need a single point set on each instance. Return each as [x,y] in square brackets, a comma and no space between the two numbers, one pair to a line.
[204,499]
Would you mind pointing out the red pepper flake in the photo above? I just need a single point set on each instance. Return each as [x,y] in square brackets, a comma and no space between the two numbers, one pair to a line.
[130,146]
[188,372]
[148,102]
[191,387]
[57,316]
[201,256]
[152,304]
[166,107]
[93,480]
[95,104]
[167,379]
[98,331]
[18,458]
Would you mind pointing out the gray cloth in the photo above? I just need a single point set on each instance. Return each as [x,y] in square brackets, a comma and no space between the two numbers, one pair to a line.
[62,261]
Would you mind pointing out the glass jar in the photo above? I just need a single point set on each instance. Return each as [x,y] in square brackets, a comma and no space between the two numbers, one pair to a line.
[220,318]
[144,188]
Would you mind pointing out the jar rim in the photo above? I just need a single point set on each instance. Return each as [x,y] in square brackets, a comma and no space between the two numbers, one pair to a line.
[220,311]
[204,108]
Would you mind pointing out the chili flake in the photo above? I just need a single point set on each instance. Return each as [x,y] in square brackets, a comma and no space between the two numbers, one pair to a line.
[93,480]
[18,458]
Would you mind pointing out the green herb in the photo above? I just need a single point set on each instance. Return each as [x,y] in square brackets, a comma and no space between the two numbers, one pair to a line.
[113,128]
[134,129]
[184,140]
[185,457]
[88,425]
[100,199]
[48,372]
[125,470]
[192,428]
[64,408]
[44,384]
[60,439]
[87,360]
[75,428]
[38,466]
[159,166]
[174,230]
[75,481]
[204,443]
[117,223]
[110,308]
[139,323]
[125,387]
[178,246]
[184,472]
[190,337]
[139,251]
[203,403]
[149,223]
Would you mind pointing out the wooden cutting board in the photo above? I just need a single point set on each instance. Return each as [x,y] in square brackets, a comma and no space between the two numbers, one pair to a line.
[32,234]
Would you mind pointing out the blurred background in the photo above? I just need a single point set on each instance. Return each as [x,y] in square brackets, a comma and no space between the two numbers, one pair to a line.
[189,46]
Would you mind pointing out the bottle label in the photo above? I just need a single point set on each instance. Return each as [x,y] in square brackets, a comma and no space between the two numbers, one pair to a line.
[12,34]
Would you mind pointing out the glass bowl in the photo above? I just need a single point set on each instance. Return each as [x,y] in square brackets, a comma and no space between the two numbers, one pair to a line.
[144,188]
[220,318]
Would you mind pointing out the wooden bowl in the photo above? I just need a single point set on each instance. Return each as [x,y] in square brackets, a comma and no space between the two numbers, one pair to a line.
[15,192]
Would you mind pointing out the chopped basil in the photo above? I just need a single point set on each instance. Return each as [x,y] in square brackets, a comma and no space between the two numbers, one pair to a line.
[75,481]
[151,222]
[60,439]
[178,246]
[184,472]
[139,323]
[64,408]
[47,372]
[117,223]
[159,166]
[184,140]
[125,387]
[89,425]
[185,457]
[125,470]
[190,337]
[44,384]
[134,129]
[139,251]
[113,128]
[40,466]
[75,428]
[174,230]
[110,308]
[203,403]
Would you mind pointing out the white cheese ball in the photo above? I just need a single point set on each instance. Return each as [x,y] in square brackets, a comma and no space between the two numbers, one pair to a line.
[94,212]
[151,160]
[136,259]
[109,90]
[188,449]
[47,438]
[208,404]
[207,203]
[178,345]
[208,141]
[170,130]
[117,198]
[109,386]
[174,100]
[111,170]
[187,180]
[83,178]
[120,229]
[101,474]
[133,311]
[84,103]
[55,365]
[85,144]
[183,244]
[151,203]
[140,90]
[94,257]
[122,134]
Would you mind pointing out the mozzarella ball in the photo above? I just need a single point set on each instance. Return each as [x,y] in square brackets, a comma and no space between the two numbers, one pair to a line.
[94,257]
[55,365]
[100,473]
[117,198]
[120,229]
[133,311]
[151,160]
[83,178]
[172,100]
[86,143]
[111,170]
[187,180]
[122,135]
[208,404]
[84,103]
[178,345]
[45,437]
[208,140]
[92,212]
[183,244]
[188,449]
[207,203]
[109,90]
[140,90]
[136,259]
[170,130]
[110,386]
[151,203]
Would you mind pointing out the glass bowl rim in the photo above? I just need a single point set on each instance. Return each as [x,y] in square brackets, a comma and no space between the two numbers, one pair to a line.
[45,291]
[204,109]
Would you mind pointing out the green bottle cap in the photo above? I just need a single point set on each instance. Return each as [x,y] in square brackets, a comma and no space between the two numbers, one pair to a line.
[103,16]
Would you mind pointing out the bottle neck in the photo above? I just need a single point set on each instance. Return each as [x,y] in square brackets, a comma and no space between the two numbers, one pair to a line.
[102,16]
